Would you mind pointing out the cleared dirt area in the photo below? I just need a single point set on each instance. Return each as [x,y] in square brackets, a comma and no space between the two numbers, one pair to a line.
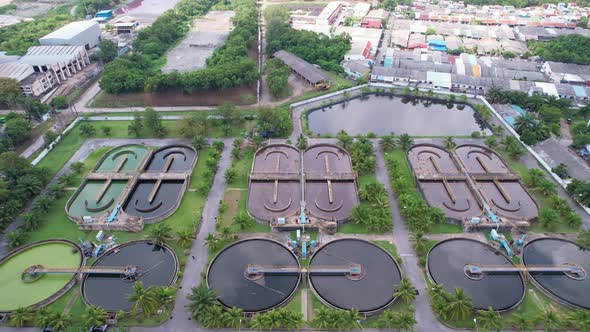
[146,11]
[34,8]
[206,34]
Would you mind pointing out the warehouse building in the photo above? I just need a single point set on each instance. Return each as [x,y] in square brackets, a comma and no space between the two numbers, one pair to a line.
[32,83]
[304,69]
[62,61]
[81,33]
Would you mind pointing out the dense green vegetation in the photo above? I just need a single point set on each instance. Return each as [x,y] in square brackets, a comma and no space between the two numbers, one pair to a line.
[7,8]
[570,49]
[312,47]
[90,7]
[277,77]
[542,118]
[228,67]
[17,38]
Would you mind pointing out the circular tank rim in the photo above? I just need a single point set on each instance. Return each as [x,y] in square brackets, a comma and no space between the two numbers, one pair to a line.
[55,296]
[168,146]
[542,288]
[106,154]
[522,280]
[285,300]
[368,312]
[99,258]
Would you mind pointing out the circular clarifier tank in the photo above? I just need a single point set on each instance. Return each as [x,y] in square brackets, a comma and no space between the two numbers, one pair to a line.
[156,266]
[446,264]
[15,293]
[228,278]
[370,291]
[558,252]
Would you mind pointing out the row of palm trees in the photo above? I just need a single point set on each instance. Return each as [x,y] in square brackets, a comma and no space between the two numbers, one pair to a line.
[58,321]
[162,234]
[549,319]
[148,301]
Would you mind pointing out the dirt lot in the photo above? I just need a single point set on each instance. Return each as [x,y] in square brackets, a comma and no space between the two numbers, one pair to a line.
[242,95]
[206,34]
[35,8]
[146,11]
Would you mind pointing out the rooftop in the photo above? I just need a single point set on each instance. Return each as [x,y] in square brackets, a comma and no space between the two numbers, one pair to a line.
[44,55]
[17,71]
[302,67]
[70,30]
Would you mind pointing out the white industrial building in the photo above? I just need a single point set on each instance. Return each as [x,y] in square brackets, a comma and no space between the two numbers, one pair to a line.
[44,67]
[63,61]
[81,33]
[32,83]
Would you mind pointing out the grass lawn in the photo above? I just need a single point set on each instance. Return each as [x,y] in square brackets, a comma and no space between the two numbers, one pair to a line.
[57,225]
[72,141]
[446,229]
[390,248]
[295,303]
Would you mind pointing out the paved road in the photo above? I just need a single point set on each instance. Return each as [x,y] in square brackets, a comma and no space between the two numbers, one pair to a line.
[180,319]
[426,321]
[556,151]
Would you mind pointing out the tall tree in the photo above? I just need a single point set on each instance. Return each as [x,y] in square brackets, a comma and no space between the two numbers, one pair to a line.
[160,234]
[405,291]
[459,304]
[143,299]
[10,92]
[200,299]
[405,141]
[94,316]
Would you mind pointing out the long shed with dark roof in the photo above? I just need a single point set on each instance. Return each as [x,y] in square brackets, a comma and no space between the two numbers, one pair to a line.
[306,70]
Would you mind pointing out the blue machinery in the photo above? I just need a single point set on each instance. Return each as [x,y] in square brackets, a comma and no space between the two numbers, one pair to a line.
[114,213]
[494,236]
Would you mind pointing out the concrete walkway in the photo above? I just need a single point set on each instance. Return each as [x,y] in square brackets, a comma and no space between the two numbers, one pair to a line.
[426,321]
[180,318]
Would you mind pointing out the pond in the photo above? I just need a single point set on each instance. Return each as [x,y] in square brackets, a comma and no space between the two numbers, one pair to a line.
[385,114]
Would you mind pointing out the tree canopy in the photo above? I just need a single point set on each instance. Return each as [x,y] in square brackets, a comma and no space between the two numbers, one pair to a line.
[570,49]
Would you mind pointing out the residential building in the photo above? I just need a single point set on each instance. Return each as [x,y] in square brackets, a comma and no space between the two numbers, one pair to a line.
[330,13]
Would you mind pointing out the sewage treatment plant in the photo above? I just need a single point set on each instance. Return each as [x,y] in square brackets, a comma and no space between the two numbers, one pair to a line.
[260,274]
[19,291]
[288,187]
[132,185]
[472,185]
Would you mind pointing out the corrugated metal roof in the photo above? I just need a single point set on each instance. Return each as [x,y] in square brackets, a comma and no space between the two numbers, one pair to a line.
[70,30]
[17,71]
[302,67]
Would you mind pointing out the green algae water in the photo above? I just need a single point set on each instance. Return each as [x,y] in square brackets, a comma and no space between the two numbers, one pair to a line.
[133,153]
[85,204]
[15,293]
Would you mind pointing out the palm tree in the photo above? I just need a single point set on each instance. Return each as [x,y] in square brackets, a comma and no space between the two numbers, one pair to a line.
[184,238]
[524,122]
[94,316]
[301,142]
[405,291]
[358,214]
[389,319]
[226,234]
[21,316]
[232,318]
[351,318]
[212,240]
[406,321]
[144,299]
[450,143]
[343,138]
[534,177]
[387,142]
[43,318]
[405,141]
[258,322]
[200,299]
[243,220]
[437,292]
[522,322]
[580,319]
[164,295]
[322,317]
[489,319]
[550,319]
[160,234]
[459,304]
[213,317]
[60,321]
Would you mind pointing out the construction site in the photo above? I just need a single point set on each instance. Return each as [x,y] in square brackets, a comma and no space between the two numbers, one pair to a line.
[291,189]
[132,185]
[473,186]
